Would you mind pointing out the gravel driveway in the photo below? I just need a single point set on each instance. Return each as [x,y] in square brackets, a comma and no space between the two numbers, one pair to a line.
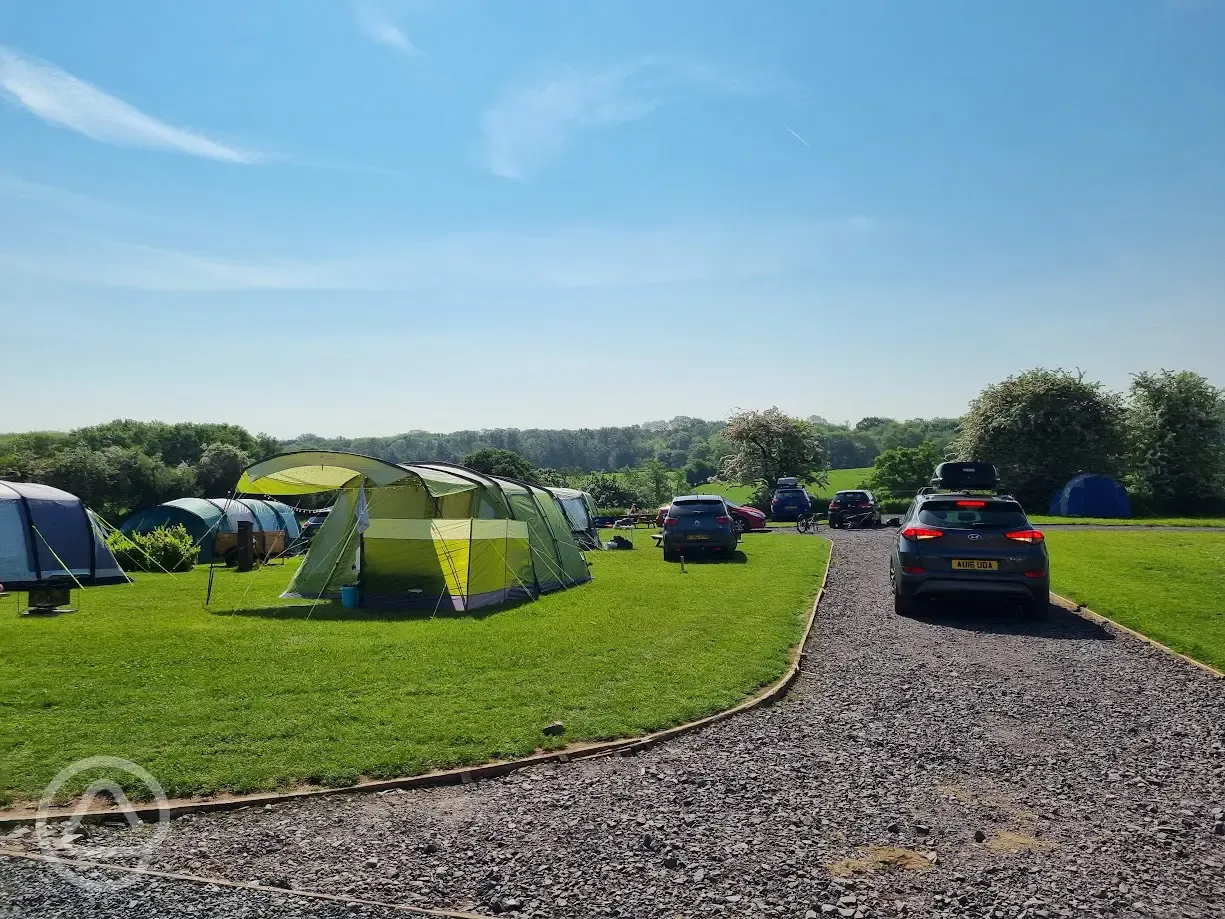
[970,763]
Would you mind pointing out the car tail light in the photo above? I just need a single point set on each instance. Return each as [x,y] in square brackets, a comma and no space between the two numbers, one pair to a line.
[834,504]
[669,521]
[1036,574]
[864,504]
[1030,536]
[913,569]
[971,503]
[921,533]
[723,520]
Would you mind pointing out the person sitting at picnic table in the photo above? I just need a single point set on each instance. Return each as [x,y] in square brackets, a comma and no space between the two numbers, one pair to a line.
[634,511]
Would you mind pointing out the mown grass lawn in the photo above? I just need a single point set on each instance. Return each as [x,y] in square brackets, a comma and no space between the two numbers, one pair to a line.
[1043,519]
[1170,586]
[251,694]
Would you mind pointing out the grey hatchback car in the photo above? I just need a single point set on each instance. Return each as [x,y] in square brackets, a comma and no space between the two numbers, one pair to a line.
[698,523]
[968,544]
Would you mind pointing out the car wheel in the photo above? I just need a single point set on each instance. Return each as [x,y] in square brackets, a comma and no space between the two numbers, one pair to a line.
[1037,607]
[903,603]
[740,525]
[670,556]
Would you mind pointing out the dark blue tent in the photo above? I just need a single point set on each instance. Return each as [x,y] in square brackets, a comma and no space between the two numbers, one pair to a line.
[49,539]
[1091,496]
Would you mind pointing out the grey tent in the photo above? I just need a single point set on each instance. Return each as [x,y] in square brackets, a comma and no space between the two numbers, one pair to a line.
[579,508]
[48,538]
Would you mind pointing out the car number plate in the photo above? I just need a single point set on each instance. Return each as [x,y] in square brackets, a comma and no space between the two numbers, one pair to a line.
[976,564]
[699,536]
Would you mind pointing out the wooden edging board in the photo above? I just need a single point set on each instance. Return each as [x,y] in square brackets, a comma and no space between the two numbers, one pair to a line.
[1084,611]
[463,775]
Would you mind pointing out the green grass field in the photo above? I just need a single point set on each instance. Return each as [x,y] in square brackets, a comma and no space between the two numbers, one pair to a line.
[251,694]
[1170,586]
[1133,521]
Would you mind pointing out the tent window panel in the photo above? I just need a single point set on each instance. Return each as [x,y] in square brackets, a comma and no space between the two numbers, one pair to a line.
[486,508]
[576,510]
[14,554]
[407,500]
[61,525]
[456,506]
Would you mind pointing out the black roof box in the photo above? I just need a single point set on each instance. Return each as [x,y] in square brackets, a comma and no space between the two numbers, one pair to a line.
[966,475]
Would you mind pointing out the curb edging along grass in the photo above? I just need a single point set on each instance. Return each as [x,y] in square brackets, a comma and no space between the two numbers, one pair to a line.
[1084,611]
[463,775]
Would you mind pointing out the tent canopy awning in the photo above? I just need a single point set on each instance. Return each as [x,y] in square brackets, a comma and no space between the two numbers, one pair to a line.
[311,471]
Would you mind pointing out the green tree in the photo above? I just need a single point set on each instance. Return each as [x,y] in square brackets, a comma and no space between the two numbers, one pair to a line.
[654,480]
[552,478]
[495,461]
[117,480]
[769,445]
[609,491]
[902,471]
[1041,428]
[698,471]
[1176,440]
[219,468]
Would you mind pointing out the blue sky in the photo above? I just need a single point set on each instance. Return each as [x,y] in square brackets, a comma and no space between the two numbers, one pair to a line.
[369,216]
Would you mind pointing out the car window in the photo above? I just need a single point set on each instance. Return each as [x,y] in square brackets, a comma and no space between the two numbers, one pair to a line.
[853,497]
[691,508]
[972,514]
[793,493]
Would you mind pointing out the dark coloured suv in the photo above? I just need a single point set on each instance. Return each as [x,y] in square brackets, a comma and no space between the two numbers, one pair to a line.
[789,503]
[698,523]
[854,508]
[967,543]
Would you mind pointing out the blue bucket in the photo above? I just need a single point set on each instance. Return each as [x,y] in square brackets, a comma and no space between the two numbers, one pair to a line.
[351,597]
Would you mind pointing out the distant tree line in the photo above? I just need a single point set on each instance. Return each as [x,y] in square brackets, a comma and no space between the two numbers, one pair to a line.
[674,443]
[1164,438]
[124,465]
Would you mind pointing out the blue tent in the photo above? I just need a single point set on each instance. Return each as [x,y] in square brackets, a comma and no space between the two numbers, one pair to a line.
[1091,496]
[204,517]
[49,539]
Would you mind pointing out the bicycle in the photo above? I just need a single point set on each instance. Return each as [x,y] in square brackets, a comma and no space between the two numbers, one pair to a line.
[807,523]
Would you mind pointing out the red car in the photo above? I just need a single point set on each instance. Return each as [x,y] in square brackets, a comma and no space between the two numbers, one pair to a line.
[744,518]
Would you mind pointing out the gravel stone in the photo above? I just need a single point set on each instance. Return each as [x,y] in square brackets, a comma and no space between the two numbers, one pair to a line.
[1092,764]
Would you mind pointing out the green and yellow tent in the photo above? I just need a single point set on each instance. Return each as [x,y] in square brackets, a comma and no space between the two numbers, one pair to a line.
[423,535]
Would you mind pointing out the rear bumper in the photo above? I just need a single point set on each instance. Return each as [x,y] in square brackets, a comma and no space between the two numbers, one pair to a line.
[719,544]
[943,584]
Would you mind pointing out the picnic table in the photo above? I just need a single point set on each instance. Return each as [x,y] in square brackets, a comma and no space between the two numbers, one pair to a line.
[636,520]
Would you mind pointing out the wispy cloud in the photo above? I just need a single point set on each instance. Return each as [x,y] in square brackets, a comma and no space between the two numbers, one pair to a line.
[562,259]
[59,98]
[531,124]
[796,136]
[378,24]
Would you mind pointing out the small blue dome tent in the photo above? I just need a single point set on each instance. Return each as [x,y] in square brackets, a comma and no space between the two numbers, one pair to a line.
[1090,495]
[48,539]
[204,517]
